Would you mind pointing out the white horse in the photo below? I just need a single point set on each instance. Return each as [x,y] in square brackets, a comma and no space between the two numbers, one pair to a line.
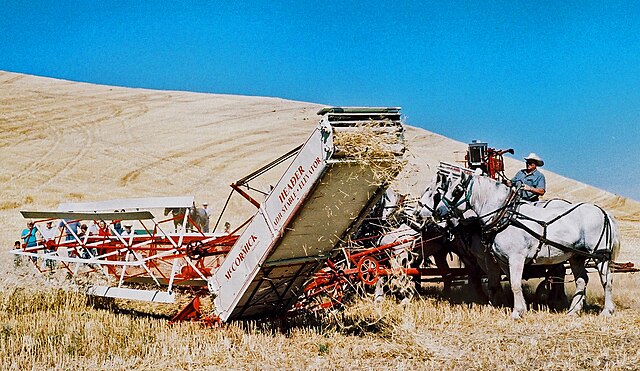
[526,234]
[197,218]
[401,255]
[386,224]
[392,220]
[474,252]
[426,241]
[377,222]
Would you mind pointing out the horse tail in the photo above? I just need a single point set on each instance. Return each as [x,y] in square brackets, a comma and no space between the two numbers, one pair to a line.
[614,235]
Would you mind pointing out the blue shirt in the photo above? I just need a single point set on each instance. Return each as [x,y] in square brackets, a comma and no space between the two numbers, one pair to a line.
[534,180]
[73,226]
[29,237]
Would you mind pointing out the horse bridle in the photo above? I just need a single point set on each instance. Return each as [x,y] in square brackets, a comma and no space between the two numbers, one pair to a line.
[436,201]
[463,188]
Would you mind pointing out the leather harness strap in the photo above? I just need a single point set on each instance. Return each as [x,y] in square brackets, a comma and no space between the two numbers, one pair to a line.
[604,254]
[503,215]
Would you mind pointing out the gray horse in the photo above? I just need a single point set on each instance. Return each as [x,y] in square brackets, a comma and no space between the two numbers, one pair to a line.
[197,220]
[469,244]
[431,244]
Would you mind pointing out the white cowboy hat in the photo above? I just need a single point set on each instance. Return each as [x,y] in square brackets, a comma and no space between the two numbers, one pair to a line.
[533,157]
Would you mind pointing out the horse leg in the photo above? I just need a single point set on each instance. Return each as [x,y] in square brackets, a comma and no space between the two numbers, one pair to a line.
[378,295]
[440,258]
[476,268]
[475,280]
[516,266]
[205,225]
[581,277]
[606,278]
[494,278]
[474,277]
[557,295]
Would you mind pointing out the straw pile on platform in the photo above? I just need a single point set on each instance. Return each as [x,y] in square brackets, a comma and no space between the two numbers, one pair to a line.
[375,144]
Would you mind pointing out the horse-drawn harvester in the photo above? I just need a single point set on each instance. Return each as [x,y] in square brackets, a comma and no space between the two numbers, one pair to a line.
[391,243]
[326,225]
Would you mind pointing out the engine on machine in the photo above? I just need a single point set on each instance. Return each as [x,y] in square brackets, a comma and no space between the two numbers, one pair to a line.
[489,160]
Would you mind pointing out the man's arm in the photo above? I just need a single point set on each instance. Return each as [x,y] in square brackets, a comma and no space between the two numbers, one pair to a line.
[514,180]
[538,191]
[539,187]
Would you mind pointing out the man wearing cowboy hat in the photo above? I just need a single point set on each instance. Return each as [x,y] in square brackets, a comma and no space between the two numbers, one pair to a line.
[531,179]
[127,230]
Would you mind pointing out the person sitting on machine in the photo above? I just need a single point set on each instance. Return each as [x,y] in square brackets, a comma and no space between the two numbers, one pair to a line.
[531,179]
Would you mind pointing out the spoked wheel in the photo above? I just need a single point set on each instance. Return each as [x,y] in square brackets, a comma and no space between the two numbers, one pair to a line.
[368,270]
[195,250]
[323,296]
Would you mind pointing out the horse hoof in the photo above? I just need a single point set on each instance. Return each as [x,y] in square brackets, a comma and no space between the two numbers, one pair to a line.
[606,313]
[516,316]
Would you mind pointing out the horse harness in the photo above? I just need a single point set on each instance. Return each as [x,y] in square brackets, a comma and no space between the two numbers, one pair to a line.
[597,254]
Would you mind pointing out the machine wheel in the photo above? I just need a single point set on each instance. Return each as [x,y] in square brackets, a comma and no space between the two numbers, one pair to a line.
[323,296]
[368,270]
[195,250]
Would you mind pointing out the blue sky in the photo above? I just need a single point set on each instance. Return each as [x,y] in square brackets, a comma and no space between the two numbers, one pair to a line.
[561,79]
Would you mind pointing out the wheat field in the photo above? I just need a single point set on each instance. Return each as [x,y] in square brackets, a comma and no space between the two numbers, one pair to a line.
[67,141]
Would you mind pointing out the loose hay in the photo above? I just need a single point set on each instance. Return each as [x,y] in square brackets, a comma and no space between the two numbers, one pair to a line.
[377,145]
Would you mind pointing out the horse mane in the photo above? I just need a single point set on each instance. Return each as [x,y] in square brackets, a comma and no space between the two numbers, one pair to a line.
[485,189]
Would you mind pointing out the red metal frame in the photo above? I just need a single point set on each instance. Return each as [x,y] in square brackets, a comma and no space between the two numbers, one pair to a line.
[111,248]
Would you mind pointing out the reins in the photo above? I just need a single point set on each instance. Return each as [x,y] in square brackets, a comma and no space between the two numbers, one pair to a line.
[502,214]
[463,188]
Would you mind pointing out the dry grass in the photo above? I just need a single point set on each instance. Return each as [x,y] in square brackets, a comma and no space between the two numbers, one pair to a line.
[62,329]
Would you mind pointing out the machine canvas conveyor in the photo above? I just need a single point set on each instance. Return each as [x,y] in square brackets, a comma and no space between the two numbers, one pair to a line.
[321,198]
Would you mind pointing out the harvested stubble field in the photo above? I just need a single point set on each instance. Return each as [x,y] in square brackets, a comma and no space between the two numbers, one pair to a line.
[65,141]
